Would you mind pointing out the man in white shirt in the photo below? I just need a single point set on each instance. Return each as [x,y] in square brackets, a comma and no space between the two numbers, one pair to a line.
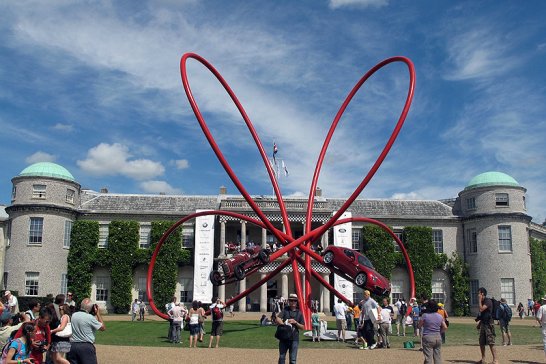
[540,316]
[340,310]
[12,302]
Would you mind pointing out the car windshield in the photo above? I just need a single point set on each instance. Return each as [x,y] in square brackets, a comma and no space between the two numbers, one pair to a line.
[365,261]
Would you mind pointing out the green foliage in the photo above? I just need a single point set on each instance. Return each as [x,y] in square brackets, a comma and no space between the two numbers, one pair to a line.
[81,257]
[538,267]
[460,292]
[423,259]
[123,241]
[122,256]
[166,267]
[379,249]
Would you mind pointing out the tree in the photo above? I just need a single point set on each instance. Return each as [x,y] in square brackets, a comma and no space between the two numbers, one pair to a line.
[460,293]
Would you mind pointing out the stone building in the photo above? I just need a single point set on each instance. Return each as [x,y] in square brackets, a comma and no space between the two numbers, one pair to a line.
[486,224]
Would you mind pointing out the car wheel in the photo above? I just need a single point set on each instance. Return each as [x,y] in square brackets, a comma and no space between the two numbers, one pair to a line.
[239,272]
[360,279]
[215,278]
[264,256]
[328,257]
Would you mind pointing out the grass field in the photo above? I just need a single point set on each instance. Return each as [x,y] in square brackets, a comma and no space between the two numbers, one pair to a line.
[248,334]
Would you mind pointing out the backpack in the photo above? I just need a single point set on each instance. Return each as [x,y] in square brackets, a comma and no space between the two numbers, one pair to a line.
[5,349]
[506,312]
[217,313]
[403,309]
[494,308]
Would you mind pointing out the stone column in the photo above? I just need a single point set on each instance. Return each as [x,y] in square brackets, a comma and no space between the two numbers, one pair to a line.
[284,284]
[242,282]
[325,296]
[264,238]
[263,295]
[222,288]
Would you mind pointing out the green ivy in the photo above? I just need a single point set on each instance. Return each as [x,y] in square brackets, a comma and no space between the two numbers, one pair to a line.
[418,240]
[460,292]
[122,256]
[538,267]
[123,241]
[165,272]
[379,249]
[81,257]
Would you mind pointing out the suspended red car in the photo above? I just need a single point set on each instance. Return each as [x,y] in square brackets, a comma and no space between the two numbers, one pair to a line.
[238,266]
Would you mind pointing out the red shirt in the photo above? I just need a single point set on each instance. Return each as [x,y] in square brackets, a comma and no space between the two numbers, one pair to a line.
[40,335]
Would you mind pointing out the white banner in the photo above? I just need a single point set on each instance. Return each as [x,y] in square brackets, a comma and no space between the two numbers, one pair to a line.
[203,258]
[343,236]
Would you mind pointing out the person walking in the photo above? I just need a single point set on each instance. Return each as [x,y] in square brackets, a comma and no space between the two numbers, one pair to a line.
[135,307]
[340,310]
[315,322]
[485,325]
[291,315]
[85,324]
[504,315]
[521,310]
[540,316]
[370,318]
[432,324]
[444,314]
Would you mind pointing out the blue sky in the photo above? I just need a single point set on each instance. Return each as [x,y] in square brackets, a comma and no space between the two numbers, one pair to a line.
[95,86]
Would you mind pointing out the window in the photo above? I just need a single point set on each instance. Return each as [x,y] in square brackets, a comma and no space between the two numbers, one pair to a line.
[13,192]
[396,291]
[142,289]
[396,246]
[501,199]
[39,191]
[357,238]
[8,233]
[67,233]
[144,242]
[438,292]
[507,290]
[36,230]
[505,239]
[186,290]
[64,283]
[524,203]
[103,235]
[188,237]
[358,295]
[471,203]
[6,274]
[70,196]
[474,285]
[31,283]
[270,238]
[103,284]
[438,240]
[472,241]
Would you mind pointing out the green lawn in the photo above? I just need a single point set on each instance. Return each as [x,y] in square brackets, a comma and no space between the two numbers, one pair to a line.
[249,334]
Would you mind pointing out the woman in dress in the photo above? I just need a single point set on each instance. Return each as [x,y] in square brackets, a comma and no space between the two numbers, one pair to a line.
[315,321]
[61,345]
[194,316]
[19,349]
[432,325]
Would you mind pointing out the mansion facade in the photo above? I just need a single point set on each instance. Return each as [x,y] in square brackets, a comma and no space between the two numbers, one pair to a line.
[486,224]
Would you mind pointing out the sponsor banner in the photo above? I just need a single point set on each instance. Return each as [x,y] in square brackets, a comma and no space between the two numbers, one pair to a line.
[343,236]
[203,258]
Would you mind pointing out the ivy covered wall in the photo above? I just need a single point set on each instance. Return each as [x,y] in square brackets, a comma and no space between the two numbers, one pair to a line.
[121,257]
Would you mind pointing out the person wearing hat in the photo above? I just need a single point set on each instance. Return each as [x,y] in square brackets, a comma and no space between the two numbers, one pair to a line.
[11,302]
[540,316]
[291,315]
[443,313]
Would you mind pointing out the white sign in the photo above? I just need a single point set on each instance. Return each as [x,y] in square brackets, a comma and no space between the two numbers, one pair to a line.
[203,258]
[343,236]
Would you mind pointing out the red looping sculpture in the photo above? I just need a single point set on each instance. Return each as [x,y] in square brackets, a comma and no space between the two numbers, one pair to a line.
[294,247]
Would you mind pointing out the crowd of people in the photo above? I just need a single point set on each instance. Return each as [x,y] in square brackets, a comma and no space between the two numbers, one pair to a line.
[55,333]
[192,319]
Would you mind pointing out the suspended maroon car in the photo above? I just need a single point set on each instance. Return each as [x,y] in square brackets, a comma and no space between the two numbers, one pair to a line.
[356,267]
[238,266]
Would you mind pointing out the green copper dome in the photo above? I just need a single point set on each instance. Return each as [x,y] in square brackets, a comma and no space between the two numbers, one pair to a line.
[47,169]
[491,179]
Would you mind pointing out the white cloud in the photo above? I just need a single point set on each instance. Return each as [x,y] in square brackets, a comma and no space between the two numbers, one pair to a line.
[40,157]
[335,4]
[159,187]
[113,159]
[182,164]
[64,127]
[406,196]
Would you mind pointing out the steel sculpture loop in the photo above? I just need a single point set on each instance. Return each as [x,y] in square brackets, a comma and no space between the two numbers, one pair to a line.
[294,247]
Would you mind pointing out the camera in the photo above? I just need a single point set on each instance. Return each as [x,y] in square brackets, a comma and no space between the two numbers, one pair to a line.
[94,310]
[41,346]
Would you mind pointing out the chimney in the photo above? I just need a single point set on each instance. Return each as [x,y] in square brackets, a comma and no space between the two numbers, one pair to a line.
[104,190]
[223,190]
[318,192]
